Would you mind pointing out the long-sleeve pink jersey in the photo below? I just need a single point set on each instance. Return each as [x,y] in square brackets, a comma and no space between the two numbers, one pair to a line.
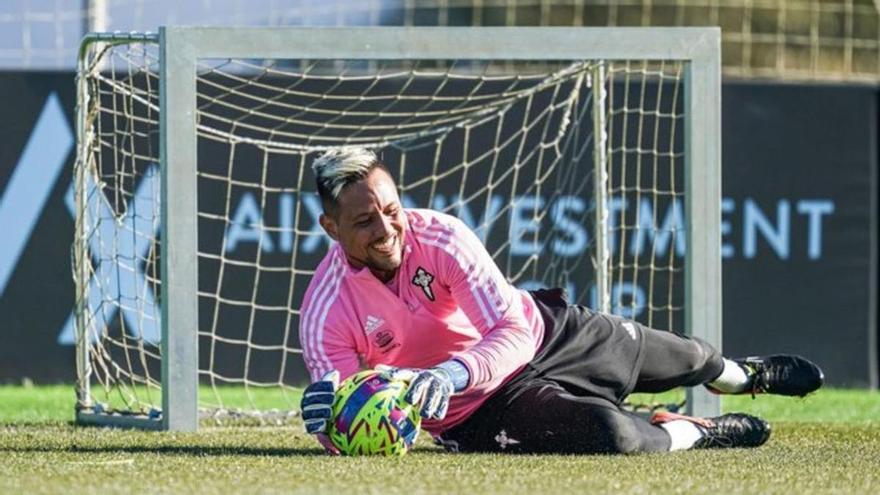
[451,302]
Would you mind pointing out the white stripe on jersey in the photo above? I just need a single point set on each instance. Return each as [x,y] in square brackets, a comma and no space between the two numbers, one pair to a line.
[477,274]
[465,259]
[490,289]
[325,301]
[324,313]
[315,315]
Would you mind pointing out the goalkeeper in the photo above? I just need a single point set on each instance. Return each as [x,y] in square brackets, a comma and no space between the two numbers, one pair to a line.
[494,368]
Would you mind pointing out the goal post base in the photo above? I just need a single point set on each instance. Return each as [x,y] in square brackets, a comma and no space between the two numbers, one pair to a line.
[126,421]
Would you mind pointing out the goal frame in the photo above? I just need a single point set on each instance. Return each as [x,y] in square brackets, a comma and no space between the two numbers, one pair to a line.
[180,49]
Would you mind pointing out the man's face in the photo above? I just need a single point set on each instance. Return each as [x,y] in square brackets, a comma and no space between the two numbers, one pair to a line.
[369,224]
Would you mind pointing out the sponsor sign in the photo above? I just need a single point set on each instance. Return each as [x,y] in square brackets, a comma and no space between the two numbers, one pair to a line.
[798,228]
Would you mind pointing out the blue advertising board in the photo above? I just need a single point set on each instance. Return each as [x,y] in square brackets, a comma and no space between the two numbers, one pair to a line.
[798,233]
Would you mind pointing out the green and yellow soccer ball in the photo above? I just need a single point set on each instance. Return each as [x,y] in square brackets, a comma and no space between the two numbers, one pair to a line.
[370,416]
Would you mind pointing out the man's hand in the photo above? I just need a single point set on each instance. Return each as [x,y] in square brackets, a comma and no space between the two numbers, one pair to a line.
[429,389]
[317,408]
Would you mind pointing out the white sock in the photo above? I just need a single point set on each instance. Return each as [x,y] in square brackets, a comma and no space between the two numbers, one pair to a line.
[733,379]
[683,433]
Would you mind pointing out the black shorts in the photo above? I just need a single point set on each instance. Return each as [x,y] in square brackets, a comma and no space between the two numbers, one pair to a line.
[587,353]
[591,357]
[567,399]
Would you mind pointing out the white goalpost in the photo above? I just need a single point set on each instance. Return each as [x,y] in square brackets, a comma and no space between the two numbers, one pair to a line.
[586,158]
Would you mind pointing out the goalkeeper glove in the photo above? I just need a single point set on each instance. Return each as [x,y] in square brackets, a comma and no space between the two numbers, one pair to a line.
[317,408]
[317,402]
[429,389]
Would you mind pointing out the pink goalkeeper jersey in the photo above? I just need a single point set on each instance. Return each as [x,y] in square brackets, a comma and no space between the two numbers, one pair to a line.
[449,300]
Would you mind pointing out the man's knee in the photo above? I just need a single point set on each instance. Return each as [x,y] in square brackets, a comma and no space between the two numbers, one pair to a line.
[707,362]
[616,433]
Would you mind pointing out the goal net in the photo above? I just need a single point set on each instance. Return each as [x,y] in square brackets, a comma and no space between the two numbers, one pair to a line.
[572,172]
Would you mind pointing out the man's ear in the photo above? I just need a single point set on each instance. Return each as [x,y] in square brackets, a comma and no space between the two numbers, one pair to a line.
[329,225]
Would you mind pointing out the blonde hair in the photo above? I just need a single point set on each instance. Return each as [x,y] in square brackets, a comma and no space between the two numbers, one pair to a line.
[340,167]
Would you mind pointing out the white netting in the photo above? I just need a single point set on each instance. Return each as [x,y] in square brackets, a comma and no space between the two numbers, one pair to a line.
[508,147]
[646,191]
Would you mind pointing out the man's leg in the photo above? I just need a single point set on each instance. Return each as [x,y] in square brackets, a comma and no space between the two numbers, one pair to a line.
[600,355]
[543,418]
[672,360]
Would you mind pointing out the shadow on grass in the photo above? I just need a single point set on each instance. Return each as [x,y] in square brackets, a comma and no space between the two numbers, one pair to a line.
[194,450]
[37,423]
[157,444]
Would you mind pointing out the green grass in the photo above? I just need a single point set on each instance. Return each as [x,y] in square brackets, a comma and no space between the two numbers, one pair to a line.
[827,443]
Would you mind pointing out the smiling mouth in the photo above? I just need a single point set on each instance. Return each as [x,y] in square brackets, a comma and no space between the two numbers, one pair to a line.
[387,246]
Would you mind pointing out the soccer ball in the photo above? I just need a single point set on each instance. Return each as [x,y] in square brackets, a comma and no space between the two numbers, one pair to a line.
[370,416]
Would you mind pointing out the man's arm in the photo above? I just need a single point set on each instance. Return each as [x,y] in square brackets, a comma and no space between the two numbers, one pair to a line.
[326,346]
[326,350]
[329,352]
[328,358]
[492,304]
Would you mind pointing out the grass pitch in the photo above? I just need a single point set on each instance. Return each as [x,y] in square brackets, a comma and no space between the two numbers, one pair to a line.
[828,443]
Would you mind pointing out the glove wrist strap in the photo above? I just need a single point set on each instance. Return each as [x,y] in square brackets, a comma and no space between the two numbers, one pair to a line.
[457,372]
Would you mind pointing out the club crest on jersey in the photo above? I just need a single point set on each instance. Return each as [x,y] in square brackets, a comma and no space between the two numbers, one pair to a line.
[423,279]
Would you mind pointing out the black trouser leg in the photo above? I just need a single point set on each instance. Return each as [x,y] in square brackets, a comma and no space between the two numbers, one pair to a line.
[672,360]
[544,418]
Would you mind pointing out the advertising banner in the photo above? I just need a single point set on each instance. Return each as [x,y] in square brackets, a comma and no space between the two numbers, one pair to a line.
[798,229]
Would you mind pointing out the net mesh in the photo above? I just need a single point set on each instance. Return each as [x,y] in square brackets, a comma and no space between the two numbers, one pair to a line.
[509,147]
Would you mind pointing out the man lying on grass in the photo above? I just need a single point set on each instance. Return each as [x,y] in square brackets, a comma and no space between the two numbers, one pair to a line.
[495,368]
